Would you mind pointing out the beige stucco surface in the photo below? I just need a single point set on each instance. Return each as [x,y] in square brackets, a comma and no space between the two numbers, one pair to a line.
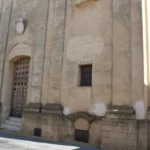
[88,41]
[60,36]
[15,46]
[108,41]
[65,35]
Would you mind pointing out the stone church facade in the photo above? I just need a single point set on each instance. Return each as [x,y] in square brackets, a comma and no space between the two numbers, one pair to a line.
[77,70]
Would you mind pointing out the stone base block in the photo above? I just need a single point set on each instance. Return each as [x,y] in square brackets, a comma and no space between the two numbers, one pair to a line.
[119,134]
[109,133]
[48,120]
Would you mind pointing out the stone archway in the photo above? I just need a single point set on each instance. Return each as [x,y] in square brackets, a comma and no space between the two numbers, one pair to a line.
[19,52]
[82,130]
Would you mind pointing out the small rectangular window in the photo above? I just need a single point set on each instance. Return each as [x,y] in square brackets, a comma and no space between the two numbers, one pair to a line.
[86,75]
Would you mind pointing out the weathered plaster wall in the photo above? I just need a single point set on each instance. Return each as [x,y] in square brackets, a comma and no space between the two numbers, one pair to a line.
[88,41]
[112,43]
[33,37]
[105,33]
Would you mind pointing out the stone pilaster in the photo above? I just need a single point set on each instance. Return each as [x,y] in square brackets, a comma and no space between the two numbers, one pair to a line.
[0,112]
[4,31]
[48,52]
[121,53]
[38,57]
[137,52]
[57,50]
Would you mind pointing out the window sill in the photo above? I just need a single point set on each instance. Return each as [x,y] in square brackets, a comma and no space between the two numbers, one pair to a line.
[84,86]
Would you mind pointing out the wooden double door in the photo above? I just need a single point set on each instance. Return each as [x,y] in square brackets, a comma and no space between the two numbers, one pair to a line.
[20,86]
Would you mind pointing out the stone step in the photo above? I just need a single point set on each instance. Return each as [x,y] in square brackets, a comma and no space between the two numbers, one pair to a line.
[15,119]
[10,127]
[13,123]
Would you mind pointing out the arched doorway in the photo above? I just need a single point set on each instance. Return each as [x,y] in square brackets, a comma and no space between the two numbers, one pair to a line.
[20,86]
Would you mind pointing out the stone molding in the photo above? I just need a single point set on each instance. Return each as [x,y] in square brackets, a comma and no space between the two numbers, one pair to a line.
[83,115]
[113,112]
[120,112]
[33,107]
[121,109]
[52,108]
[20,50]
[78,2]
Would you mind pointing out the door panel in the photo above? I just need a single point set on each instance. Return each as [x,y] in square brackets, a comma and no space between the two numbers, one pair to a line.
[20,85]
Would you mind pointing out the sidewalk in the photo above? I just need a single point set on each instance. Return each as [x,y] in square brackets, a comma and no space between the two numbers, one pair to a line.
[12,141]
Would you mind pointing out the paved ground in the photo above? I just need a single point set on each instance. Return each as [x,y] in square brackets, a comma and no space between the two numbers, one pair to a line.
[10,141]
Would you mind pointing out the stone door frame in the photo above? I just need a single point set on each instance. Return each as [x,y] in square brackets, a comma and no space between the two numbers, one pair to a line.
[20,86]
[21,50]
